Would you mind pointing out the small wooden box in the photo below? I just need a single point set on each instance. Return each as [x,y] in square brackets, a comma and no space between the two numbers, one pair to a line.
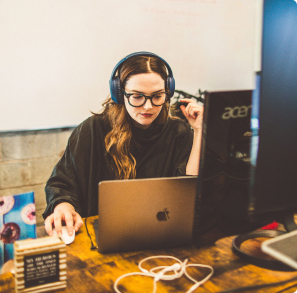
[40,264]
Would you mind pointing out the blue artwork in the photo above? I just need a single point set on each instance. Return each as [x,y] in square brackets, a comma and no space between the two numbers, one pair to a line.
[17,222]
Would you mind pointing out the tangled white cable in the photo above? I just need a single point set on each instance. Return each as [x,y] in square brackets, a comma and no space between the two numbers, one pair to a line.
[160,272]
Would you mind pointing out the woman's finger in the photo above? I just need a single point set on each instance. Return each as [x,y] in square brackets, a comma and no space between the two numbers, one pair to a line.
[78,222]
[48,224]
[69,219]
[186,100]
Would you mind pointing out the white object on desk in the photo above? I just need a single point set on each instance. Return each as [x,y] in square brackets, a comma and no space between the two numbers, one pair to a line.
[283,248]
[65,236]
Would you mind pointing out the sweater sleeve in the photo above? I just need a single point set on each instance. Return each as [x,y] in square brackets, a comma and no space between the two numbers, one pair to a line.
[70,179]
[184,147]
[62,185]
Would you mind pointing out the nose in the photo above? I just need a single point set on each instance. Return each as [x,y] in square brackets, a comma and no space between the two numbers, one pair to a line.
[148,104]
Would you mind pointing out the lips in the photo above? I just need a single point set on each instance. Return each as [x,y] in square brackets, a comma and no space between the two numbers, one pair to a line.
[146,115]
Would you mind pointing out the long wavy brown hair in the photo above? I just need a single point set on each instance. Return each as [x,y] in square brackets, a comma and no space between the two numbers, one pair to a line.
[119,140]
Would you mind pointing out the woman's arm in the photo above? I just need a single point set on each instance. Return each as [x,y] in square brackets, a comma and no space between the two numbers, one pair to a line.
[194,114]
[62,198]
[64,187]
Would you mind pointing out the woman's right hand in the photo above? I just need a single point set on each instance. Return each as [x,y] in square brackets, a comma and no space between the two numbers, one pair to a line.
[63,212]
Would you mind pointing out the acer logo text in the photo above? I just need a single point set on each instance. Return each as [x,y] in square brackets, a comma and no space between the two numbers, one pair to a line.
[236,112]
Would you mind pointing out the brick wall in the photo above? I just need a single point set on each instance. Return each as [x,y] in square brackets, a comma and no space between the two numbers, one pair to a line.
[27,159]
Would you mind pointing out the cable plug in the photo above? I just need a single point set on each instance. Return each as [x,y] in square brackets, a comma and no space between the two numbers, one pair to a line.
[162,274]
[175,267]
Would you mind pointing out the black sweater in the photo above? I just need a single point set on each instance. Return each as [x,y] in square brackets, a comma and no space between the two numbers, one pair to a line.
[161,151]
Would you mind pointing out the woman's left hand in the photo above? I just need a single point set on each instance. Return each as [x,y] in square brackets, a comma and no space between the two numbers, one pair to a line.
[193,112]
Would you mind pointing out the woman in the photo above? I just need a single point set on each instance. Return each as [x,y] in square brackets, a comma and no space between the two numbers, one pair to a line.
[133,137]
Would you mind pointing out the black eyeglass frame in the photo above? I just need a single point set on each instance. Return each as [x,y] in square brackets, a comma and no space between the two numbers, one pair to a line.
[147,97]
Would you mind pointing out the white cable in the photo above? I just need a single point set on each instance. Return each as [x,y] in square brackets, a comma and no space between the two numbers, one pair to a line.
[197,284]
[159,273]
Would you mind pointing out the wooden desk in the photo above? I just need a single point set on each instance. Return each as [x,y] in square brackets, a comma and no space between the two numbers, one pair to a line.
[89,271]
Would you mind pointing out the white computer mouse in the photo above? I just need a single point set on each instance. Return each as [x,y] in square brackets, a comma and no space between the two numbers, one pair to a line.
[65,236]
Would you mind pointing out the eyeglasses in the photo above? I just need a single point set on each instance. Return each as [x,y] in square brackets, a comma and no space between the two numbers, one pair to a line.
[138,100]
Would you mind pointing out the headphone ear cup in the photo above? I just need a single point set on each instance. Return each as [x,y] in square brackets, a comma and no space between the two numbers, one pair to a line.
[116,90]
[171,85]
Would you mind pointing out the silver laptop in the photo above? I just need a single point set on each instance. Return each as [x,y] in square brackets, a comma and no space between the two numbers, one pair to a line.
[141,214]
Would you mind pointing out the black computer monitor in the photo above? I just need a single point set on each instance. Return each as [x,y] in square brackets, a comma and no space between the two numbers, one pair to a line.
[248,170]
[223,189]
[274,182]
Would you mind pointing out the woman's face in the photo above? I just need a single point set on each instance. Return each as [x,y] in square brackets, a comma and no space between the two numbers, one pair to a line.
[147,84]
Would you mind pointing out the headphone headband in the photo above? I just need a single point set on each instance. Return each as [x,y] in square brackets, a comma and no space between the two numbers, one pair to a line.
[115,84]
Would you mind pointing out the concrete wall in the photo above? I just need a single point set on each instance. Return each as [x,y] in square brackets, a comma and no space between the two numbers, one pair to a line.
[27,159]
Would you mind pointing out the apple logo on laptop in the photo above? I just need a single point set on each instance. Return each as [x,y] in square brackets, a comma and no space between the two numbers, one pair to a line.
[163,216]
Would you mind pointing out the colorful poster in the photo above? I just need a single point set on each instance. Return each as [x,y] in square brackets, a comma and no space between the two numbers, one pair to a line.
[17,222]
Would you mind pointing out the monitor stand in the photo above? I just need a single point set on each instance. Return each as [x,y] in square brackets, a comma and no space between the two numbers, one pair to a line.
[289,221]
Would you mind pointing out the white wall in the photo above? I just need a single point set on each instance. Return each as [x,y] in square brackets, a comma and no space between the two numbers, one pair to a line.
[56,56]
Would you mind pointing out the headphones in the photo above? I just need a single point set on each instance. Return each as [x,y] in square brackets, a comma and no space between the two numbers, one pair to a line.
[115,83]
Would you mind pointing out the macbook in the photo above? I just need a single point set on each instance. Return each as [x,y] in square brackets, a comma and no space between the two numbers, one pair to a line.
[141,214]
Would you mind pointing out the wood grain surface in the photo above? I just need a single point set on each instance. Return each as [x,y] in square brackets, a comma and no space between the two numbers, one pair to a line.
[89,271]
